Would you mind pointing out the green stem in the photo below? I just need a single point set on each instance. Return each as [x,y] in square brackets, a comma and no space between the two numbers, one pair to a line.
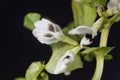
[68,40]
[76,49]
[99,58]
[105,31]
[99,68]
[104,36]
[103,43]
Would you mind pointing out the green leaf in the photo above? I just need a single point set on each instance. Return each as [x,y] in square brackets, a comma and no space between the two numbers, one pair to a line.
[102,51]
[59,49]
[99,3]
[83,13]
[20,78]
[89,50]
[87,1]
[96,51]
[88,57]
[29,20]
[95,2]
[108,57]
[34,70]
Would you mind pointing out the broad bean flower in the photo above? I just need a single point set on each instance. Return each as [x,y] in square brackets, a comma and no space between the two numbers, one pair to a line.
[47,32]
[114,5]
[88,32]
[64,61]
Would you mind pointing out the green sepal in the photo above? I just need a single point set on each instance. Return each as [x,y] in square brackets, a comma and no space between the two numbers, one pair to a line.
[34,70]
[29,20]
[96,51]
[20,78]
[59,49]
[43,76]
[83,13]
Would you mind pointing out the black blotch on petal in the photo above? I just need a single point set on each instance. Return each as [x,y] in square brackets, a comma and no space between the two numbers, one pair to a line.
[89,36]
[51,28]
[48,35]
[67,57]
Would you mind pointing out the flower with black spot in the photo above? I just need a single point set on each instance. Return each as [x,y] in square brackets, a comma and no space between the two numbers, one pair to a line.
[47,32]
[64,61]
[88,32]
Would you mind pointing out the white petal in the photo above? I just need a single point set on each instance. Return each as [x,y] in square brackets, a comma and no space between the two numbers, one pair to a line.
[45,20]
[63,62]
[81,30]
[114,5]
[42,38]
[36,32]
[118,6]
[111,3]
[67,73]
[45,27]
[57,28]
[46,40]
[60,68]
[94,32]
[42,25]
[85,41]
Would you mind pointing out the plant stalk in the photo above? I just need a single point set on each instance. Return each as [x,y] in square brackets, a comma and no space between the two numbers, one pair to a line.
[99,68]
[68,40]
[100,59]
[104,37]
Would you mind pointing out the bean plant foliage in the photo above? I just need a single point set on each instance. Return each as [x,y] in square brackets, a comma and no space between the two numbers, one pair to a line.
[72,42]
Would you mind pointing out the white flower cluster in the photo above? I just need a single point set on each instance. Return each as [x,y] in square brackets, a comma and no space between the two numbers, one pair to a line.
[48,32]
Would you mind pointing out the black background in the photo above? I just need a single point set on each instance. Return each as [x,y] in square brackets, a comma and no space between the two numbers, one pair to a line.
[19,47]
